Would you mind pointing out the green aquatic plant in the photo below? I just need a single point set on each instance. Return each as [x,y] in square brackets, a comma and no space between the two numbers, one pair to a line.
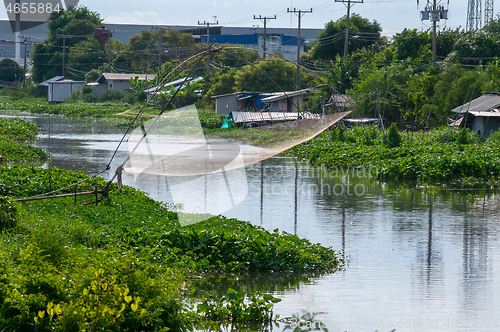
[16,136]
[127,265]
[425,156]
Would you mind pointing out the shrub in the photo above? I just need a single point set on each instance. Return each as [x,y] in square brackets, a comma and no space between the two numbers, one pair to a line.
[393,137]
[111,95]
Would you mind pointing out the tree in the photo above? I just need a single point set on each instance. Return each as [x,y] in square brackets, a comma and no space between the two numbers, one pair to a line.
[78,22]
[339,74]
[475,47]
[445,42]
[330,42]
[283,73]
[10,71]
[493,26]
[173,45]
[412,44]
[386,87]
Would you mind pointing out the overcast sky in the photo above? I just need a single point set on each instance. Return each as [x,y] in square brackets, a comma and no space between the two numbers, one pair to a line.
[393,15]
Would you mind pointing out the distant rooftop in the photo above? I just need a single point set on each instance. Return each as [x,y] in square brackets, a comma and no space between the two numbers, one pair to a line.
[125,77]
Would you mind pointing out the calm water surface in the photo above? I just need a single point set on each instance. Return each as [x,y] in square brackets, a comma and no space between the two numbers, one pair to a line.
[418,260]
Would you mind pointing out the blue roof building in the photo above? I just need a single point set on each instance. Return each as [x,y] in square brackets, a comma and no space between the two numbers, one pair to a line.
[285,45]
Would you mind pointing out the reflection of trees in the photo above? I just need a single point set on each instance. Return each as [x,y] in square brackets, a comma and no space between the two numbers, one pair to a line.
[266,282]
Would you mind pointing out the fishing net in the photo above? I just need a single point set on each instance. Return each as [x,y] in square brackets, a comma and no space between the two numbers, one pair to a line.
[205,172]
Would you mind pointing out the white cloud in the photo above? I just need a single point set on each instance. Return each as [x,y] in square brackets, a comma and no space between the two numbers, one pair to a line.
[136,18]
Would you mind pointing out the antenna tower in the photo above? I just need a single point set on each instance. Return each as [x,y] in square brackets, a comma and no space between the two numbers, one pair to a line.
[474,15]
[488,11]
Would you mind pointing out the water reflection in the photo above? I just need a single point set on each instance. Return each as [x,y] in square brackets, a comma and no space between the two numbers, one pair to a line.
[418,258]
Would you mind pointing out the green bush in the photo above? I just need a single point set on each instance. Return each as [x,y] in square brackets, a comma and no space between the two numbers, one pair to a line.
[393,137]
[111,95]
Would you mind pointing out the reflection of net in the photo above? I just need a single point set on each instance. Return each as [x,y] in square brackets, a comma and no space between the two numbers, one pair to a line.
[176,146]
[205,173]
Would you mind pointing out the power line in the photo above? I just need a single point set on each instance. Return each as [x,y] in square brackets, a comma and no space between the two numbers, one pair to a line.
[299,14]
[265,20]
[349,2]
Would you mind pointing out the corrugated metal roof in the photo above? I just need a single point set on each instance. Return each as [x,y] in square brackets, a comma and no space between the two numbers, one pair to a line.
[485,103]
[53,79]
[492,113]
[245,117]
[66,81]
[175,83]
[114,77]
[284,95]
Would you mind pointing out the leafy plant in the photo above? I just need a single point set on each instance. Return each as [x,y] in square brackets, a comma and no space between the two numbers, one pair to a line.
[393,137]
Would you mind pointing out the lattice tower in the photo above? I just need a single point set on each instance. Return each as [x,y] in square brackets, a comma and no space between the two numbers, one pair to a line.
[474,18]
[488,11]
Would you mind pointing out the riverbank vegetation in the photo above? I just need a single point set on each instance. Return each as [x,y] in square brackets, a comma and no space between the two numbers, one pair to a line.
[15,138]
[126,264]
[40,106]
[439,155]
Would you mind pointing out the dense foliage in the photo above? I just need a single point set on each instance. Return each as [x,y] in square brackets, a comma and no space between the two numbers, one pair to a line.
[362,34]
[78,23]
[438,155]
[10,71]
[38,106]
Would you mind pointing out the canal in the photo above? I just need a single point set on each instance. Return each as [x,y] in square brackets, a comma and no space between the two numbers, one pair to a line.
[418,260]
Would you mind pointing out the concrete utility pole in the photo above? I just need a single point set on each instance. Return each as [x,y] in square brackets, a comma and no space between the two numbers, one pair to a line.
[434,23]
[265,20]
[299,14]
[208,24]
[350,3]
[161,46]
[25,56]
[434,13]
[64,49]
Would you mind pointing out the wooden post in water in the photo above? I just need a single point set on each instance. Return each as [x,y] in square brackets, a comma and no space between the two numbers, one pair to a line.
[296,195]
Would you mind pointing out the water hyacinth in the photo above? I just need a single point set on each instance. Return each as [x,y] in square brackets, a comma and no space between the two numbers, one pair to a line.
[441,154]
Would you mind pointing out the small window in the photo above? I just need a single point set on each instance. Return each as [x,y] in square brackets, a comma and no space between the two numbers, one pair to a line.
[111,86]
